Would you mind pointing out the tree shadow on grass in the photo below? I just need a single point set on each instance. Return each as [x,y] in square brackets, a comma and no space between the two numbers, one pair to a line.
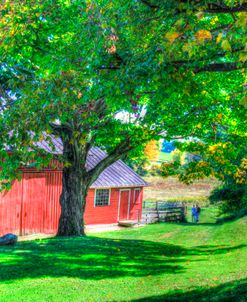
[88,258]
[214,249]
[96,258]
[235,291]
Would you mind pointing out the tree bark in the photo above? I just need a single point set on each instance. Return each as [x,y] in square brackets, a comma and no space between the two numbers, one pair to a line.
[75,186]
[73,201]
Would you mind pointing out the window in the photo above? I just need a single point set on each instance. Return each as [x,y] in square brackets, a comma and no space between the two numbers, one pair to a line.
[102,197]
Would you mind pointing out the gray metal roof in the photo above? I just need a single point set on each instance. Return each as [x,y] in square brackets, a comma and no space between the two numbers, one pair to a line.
[118,175]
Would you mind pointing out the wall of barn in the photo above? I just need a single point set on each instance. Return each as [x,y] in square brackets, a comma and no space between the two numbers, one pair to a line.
[101,214]
[32,205]
[109,213]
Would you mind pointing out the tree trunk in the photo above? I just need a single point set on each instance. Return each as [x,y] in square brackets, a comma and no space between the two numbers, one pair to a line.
[74,189]
[73,201]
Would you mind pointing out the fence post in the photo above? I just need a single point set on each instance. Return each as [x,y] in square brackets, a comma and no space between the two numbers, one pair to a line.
[183,214]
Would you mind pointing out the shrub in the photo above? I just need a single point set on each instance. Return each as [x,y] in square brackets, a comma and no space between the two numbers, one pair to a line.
[154,170]
[231,198]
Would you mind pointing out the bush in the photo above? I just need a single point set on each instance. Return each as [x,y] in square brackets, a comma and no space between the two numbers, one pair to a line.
[235,215]
[231,197]
[154,170]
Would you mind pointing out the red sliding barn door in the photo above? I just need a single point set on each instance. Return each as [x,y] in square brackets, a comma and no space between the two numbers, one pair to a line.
[10,209]
[124,199]
[52,206]
[33,206]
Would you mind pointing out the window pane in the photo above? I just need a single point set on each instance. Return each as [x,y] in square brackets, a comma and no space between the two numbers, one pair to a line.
[102,197]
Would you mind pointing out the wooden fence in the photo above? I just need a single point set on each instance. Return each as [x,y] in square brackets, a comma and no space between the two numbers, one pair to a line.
[162,211]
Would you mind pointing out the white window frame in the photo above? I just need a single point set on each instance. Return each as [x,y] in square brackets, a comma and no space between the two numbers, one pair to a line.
[136,189]
[109,199]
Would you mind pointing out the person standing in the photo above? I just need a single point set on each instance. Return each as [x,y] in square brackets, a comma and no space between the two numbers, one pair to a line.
[193,213]
[198,210]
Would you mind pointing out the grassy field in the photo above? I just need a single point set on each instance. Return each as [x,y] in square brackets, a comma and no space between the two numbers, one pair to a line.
[161,262]
[163,157]
[171,189]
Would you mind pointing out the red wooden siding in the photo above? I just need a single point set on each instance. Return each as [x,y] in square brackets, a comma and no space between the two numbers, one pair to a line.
[109,214]
[52,205]
[32,205]
[10,209]
[102,214]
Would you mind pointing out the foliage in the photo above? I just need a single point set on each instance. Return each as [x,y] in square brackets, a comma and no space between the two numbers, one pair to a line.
[225,161]
[137,160]
[168,169]
[140,159]
[152,150]
[153,170]
[174,166]
[163,262]
[223,158]
[232,197]
[83,63]
[178,156]
[116,74]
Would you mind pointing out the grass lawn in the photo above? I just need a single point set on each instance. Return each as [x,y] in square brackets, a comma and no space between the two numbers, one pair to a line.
[161,262]
[164,156]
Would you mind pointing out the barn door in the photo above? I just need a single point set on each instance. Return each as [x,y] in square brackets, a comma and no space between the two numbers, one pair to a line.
[10,209]
[33,203]
[135,205]
[124,200]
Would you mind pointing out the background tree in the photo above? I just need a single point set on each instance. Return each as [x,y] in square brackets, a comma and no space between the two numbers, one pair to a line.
[113,74]
[223,157]
[152,150]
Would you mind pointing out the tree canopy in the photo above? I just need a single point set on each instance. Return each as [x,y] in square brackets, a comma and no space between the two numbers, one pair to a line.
[116,74]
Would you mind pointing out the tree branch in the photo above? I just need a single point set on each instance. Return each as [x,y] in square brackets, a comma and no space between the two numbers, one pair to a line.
[151,5]
[58,129]
[202,6]
[221,67]
[215,8]
[111,158]
[108,67]
[213,56]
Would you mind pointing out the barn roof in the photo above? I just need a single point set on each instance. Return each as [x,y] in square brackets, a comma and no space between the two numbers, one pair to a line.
[117,175]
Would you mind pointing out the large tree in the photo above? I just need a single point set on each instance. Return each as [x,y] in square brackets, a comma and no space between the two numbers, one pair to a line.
[113,74]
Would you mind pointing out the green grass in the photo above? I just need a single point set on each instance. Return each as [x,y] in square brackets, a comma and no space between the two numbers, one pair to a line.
[164,156]
[161,262]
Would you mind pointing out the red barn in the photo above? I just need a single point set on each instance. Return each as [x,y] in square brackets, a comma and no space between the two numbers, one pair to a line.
[32,205]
